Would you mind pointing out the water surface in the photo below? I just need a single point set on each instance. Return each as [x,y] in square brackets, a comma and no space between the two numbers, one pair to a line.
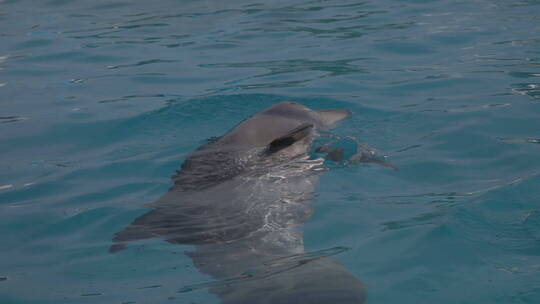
[100,101]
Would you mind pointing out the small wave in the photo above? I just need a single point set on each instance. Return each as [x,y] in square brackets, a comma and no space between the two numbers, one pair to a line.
[8,119]
[520,140]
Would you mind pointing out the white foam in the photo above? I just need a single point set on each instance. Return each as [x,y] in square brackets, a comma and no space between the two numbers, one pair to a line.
[4,187]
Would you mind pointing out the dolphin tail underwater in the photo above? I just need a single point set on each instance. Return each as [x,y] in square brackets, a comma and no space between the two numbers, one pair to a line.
[241,201]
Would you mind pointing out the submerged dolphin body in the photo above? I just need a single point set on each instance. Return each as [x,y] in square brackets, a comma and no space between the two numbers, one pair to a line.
[241,201]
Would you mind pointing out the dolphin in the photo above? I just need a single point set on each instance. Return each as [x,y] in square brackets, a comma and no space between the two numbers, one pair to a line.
[241,201]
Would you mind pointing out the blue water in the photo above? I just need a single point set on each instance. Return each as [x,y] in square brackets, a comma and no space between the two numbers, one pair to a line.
[100,101]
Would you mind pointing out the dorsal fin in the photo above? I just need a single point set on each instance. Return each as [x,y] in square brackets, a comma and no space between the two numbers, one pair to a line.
[290,138]
[330,117]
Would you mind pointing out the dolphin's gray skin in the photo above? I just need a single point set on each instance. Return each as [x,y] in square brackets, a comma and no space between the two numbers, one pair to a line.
[241,201]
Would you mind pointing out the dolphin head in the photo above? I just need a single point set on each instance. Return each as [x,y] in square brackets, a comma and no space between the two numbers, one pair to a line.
[285,130]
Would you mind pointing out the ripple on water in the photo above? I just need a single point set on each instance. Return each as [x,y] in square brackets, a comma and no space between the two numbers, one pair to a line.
[530,89]
[8,119]
[502,219]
